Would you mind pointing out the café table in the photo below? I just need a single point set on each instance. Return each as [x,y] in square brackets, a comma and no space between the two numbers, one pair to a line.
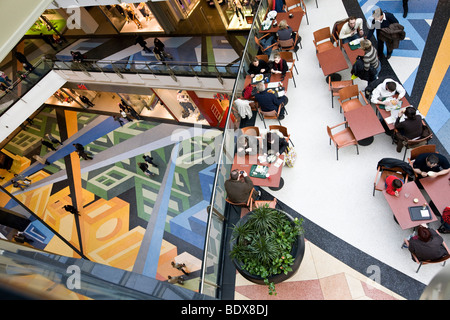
[386,115]
[245,163]
[352,54]
[332,61]
[293,22]
[438,189]
[400,205]
[364,124]
[274,79]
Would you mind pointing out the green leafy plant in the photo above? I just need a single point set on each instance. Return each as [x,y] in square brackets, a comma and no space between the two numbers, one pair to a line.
[264,242]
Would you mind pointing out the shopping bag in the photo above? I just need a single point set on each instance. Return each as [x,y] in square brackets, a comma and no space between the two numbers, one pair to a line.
[290,157]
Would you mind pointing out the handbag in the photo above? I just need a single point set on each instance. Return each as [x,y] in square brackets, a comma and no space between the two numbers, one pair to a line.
[291,156]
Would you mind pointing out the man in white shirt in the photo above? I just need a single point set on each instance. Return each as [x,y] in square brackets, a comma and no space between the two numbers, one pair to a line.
[386,89]
[351,30]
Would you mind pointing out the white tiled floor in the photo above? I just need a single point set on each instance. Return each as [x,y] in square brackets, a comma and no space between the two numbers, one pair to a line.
[337,195]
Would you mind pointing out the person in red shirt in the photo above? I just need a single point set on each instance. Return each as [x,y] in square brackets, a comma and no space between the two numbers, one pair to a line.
[393,185]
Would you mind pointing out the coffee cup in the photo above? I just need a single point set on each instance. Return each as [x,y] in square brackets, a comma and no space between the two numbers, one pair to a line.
[290,15]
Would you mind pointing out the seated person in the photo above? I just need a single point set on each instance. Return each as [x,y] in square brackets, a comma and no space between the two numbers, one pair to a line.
[239,186]
[274,143]
[269,101]
[285,33]
[388,88]
[427,245]
[408,129]
[247,145]
[258,66]
[393,185]
[431,165]
[351,30]
[279,66]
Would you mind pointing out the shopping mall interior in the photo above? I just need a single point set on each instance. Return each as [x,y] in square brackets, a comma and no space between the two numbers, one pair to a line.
[135,216]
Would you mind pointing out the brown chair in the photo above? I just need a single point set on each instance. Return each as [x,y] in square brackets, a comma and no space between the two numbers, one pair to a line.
[288,45]
[383,172]
[348,98]
[343,138]
[283,131]
[410,144]
[337,30]
[335,86]
[442,259]
[263,57]
[263,50]
[251,131]
[297,6]
[270,114]
[323,40]
[428,148]
[260,203]
[289,58]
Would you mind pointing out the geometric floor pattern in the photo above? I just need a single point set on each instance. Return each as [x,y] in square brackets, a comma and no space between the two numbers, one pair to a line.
[320,277]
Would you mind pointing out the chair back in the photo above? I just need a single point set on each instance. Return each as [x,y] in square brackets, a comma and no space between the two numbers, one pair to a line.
[321,35]
[282,129]
[348,92]
[286,44]
[429,148]
[288,56]
[263,57]
[251,131]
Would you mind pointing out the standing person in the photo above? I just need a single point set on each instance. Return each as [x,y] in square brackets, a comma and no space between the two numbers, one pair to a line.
[77,56]
[371,63]
[118,119]
[378,21]
[237,5]
[133,112]
[140,40]
[149,160]
[48,144]
[22,59]
[352,29]
[71,209]
[124,113]
[144,167]
[405,8]
[19,177]
[5,79]
[86,100]
[180,266]
[48,40]
[80,150]
[53,139]
[159,45]
[173,280]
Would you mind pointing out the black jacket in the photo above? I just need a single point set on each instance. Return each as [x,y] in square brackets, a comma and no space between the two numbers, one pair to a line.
[392,162]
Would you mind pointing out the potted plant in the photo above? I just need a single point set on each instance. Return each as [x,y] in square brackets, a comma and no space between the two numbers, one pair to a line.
[267,246]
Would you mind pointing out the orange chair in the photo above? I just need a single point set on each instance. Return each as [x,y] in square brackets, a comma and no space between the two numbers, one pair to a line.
[263,57]
[348,98]
[343,138]
[383,173]
[335,86]
[270,114]
[283,131]
[248,204]
[251,131]
[322,39]
[297,6]
[289,58]
[270,203]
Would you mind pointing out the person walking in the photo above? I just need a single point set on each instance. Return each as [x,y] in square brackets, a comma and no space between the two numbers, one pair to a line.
[149,160]
[380,19]
[140,40]
[48,145]
[144,168]
[173,280]
[22,59]
[180,266]
[41,160]
[71,209]
[53,139]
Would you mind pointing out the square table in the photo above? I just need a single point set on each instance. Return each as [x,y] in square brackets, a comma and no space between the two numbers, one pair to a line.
[293,22]
[352,54]
[364,124]
[438,189]
[274,78]
[386,114]
[400,205]
[245,163]
[332,61]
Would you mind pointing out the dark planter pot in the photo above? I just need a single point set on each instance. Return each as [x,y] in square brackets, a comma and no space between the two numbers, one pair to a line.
[298,251]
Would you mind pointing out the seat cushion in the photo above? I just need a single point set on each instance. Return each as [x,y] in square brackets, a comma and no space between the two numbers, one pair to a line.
[350,105]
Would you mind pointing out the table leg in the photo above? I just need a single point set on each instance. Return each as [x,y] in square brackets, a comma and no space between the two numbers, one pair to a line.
[334,77]
[366,141]
[279,186]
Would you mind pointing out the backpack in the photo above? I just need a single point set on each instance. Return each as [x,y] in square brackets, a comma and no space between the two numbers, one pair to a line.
[290,157]
[247,92]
